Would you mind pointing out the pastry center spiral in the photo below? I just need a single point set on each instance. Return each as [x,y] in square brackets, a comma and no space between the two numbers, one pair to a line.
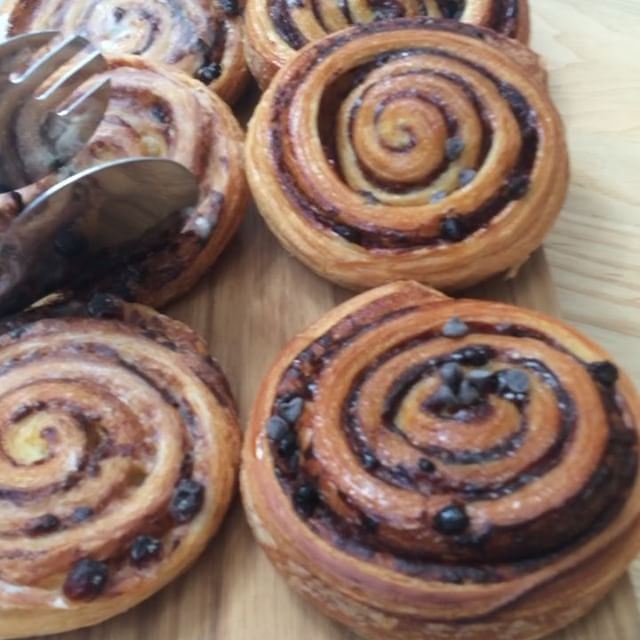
[407,135]
[412,438]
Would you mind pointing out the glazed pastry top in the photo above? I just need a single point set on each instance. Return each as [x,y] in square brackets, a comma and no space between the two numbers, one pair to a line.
[456,442]
[118,452]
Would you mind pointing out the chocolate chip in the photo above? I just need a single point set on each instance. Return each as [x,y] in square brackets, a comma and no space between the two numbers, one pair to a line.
[519,398]
[451,8]
[451,374]
[484,381]
[230,7]
[369,197]
[16,333]
[118,14]
[144,549]
[451,520]
[453,229]
[103,305]
[476,356]
[16,196]
[606,373]
[388,11]
[454,148]
[86,580]
[288,444]
[70,243]
[276,428]
[160,113]
[369,461]
[202,46]
[306,499]
[513,380]
[369,524]
[468,394]
[209,72]
[443,398]
[438,196]
[187,500]
[455,328]
[80,514]
[46,523]
[517,186]
[293,462]
[466,176]
[425,465]
[290,410]
[348,233]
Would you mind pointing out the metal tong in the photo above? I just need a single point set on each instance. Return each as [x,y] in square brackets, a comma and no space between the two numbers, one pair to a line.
[98,209]
[38,130]
[85,216]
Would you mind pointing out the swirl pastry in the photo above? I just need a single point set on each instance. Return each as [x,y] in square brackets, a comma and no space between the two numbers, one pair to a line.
[275,29]
[203,38]
[426,468]
[119,446]
[156,113]
[418,149]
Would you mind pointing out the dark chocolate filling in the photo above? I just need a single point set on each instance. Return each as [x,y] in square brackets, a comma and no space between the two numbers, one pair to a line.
[504,15]
[322,213]
[496,554]
[188,496]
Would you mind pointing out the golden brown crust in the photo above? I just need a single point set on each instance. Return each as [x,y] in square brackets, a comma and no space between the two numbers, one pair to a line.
[406,518]
[275,29]
[417,149]
[202,38]
[118,458]
[156,112]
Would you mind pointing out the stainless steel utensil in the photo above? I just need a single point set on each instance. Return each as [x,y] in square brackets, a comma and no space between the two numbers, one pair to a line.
[36,135]
[105,207]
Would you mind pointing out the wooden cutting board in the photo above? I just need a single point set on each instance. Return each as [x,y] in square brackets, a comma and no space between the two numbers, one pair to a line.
[255,300]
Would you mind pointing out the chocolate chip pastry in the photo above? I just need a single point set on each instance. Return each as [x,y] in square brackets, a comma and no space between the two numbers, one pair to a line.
[119,446]
[418,149]
[202,38]
[155,112]
[276,29]
[422,467]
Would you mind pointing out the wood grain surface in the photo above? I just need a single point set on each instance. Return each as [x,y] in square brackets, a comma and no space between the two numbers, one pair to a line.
[257,297]
[591,49]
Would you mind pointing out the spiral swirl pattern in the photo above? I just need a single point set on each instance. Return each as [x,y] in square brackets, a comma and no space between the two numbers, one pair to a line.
[155,113]
[409,149]
[202,38]
[275,29]
[433,461]
[118,451]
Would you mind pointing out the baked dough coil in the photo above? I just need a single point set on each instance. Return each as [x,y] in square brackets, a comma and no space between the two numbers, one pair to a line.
[276,29]
[202,38]
[409,149]
[119,446]
[421,467]
[156,112]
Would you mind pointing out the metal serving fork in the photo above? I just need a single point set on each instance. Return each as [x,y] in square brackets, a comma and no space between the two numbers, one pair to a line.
[36,135]
[66,231]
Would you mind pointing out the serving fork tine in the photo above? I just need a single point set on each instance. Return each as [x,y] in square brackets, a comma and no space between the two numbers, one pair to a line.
[108,207]
[35,137]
